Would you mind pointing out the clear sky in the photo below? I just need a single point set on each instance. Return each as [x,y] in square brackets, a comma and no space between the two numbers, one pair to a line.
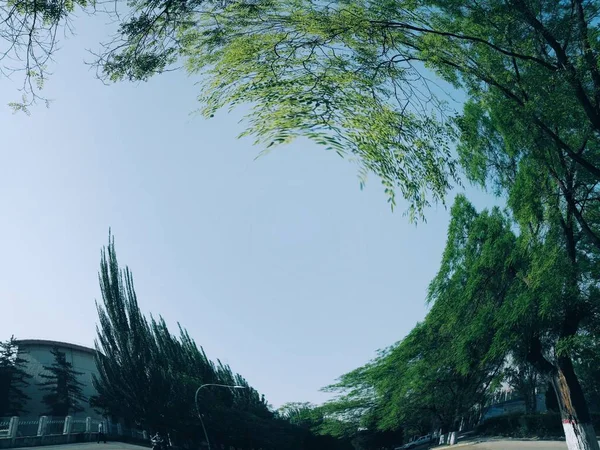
[281,267]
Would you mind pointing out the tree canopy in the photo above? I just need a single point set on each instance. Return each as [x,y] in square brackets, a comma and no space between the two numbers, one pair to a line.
[351,76]
[502,300]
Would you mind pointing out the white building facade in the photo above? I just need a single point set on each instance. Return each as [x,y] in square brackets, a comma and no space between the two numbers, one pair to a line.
[38,353]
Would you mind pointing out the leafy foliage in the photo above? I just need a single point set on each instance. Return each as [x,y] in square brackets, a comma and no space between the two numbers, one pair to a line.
[524,380]
[500,309]
[442,371]
[317,72]
[350,76]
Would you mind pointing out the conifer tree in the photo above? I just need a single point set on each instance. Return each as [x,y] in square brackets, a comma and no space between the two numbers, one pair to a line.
[14,379]
[149,375]
[64,390]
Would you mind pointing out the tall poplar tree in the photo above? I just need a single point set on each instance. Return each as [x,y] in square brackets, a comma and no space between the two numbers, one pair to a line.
[150,376]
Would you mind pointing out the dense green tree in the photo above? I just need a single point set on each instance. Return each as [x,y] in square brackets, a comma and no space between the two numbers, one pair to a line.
[64,390]
[447,364]
[501,297]
[548,291]
[146,372]
[435,376]
[149,376]
[367,439]
[554,200]
[14,379]
[416,387]
[322,429]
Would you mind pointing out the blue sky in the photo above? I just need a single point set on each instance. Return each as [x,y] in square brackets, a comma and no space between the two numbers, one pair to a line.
[281,267]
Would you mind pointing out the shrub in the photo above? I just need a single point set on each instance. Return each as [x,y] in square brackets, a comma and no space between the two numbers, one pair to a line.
[523,425]
[546,425]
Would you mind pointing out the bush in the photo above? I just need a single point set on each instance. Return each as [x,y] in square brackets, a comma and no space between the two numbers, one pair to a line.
[547,425]
[523,425]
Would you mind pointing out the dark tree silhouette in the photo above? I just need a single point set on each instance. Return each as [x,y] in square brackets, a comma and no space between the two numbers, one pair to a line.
[64,391]
[149,376]
[13,379]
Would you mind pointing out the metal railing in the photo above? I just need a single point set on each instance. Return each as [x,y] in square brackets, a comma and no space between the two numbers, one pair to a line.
[55,426]
[4,425]
[80,426]
[27,428]
[14,427]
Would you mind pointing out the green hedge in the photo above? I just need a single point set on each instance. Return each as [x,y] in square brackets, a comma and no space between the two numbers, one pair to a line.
[547,425]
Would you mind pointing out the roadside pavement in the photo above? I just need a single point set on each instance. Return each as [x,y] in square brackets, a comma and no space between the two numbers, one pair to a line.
[506,444]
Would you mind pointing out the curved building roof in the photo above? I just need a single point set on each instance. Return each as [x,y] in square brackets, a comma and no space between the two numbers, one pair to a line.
[64,345]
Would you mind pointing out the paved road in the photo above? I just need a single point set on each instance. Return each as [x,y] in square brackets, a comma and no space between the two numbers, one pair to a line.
[498,444]
[490,445]
[515,444]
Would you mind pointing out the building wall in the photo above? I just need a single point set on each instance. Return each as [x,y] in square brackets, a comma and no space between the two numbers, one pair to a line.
[38,354]
[513,407]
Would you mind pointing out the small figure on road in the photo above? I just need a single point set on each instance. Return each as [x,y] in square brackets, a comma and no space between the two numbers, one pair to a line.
[101,435]
[157,442]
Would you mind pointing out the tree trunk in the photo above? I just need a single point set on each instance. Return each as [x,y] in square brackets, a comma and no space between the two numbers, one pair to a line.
[443,432]
[452,438]
[530,400]
[527,400]
[577,423]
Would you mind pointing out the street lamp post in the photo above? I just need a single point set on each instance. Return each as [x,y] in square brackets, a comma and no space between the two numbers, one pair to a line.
[198,409]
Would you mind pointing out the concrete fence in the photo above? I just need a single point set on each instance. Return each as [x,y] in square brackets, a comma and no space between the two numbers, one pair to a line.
[17,432]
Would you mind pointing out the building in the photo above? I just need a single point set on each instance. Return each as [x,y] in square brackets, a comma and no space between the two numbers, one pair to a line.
[38,353]
[513,406]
